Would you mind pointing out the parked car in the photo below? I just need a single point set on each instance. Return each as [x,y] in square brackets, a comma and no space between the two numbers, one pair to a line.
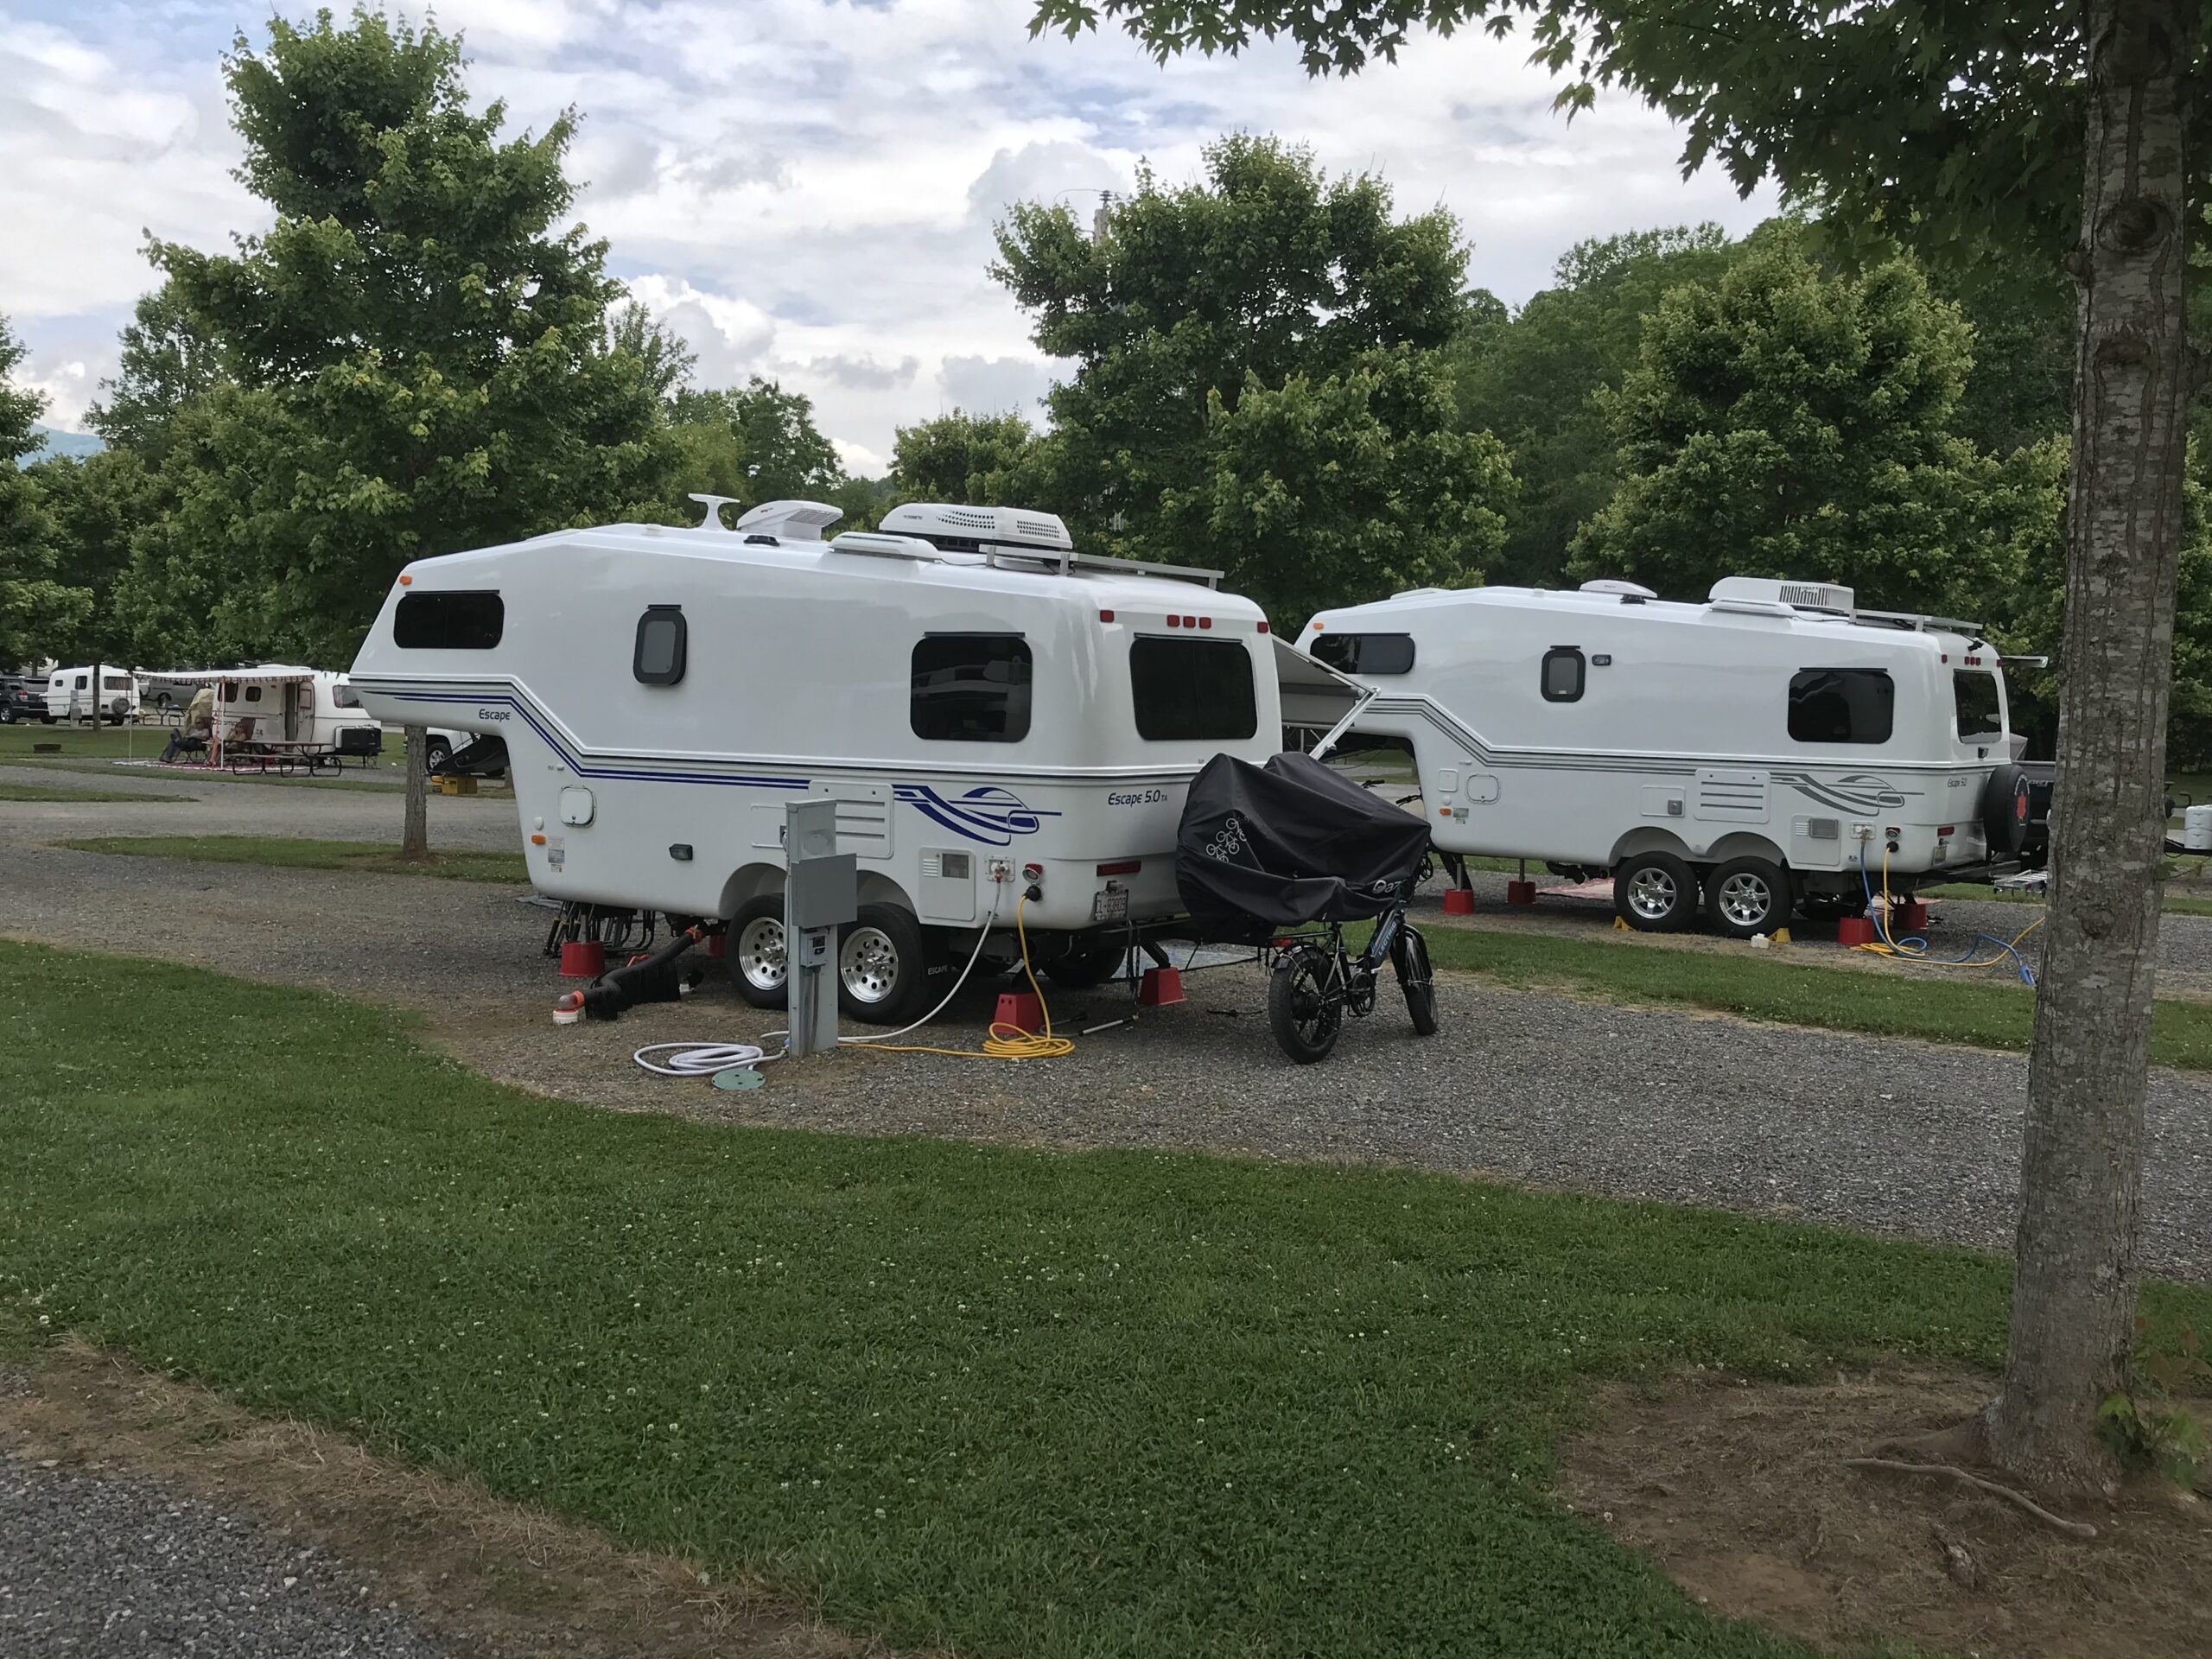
[21,699]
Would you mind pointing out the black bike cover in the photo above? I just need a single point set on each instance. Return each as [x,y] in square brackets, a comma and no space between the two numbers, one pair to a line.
[1262,848]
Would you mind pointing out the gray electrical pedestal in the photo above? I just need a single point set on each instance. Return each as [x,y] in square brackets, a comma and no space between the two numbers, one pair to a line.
[821,894]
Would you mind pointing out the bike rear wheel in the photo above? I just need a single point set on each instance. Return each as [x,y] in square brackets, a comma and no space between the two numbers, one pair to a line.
[1302,1011]
[1409,955]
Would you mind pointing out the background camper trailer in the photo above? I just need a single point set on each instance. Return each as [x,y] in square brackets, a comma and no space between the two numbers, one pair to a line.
[70,696]
[1770,749]
[1007,727]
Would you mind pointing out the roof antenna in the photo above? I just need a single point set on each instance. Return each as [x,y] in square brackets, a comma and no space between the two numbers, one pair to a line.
[714,504]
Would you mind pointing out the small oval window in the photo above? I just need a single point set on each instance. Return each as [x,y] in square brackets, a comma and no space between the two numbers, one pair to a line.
[1562,680]
[658,658]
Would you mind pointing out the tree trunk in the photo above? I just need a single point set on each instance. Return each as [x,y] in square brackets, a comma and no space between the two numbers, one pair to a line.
[414,839]
[2076,1269]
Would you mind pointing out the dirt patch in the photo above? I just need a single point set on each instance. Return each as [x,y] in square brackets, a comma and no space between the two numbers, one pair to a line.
[484,1577]
[1741,1493]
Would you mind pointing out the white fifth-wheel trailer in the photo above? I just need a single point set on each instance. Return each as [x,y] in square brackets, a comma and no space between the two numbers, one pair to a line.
[1002,722]
[1770,748]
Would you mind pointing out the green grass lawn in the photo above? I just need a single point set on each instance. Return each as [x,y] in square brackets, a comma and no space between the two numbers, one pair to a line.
[300,853]
[1986,1006]
[2179,901]
[1013,1402]
[11,791]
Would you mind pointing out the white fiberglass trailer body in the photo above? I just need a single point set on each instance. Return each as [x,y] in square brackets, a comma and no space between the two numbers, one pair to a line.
[995,717]
[70,696]
[1773,735]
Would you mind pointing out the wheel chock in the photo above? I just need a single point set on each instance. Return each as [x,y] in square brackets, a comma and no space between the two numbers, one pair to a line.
[1620,925]
[1780,936]
[1160,988]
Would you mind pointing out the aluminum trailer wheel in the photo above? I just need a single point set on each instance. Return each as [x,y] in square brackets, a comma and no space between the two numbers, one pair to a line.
[1749,895]
[882,967]
[759,967]
[1655,893]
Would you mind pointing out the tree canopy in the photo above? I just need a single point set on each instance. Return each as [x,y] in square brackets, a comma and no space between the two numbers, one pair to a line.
[1268,284]
[34,607]
[417,358]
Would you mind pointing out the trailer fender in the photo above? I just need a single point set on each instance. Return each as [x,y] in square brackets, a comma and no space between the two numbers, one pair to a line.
[746,885]
[877,888]
[1742,844]
[1647,838]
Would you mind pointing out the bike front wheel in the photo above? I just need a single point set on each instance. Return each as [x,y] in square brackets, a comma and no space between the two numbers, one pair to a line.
[1409,955]
[1304,1011]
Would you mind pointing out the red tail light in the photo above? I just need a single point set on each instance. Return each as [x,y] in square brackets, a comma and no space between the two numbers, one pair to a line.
[1126,866]
[1263,625]
[1105,616]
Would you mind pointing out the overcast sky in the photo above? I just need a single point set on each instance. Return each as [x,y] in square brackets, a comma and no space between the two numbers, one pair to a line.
[805,187]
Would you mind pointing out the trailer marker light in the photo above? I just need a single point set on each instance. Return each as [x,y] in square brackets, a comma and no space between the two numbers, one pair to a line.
[1127,867]
[1174,622]
[1190,621]
[537,841]
[1105,616]
[1947,832]
[406,581]
[1263,625]
[1206,621]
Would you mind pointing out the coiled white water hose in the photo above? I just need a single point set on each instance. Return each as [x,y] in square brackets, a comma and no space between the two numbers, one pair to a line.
[706,1059]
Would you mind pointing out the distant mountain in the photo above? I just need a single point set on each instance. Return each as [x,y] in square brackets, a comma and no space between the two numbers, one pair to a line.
[58,442]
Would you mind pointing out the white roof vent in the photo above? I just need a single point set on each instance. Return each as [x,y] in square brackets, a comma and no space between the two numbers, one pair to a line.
[1823,596]
[1615,585]
[789,521]
[978,529]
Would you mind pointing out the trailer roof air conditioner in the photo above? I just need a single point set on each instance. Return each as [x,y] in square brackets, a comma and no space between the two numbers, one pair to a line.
[1764,591]
[977,530]
[788,521]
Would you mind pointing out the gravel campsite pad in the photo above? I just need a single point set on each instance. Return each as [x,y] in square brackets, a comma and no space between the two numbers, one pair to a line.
[1886,1136]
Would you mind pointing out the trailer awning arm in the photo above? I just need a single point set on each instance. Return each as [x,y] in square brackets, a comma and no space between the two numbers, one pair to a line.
[1316,698]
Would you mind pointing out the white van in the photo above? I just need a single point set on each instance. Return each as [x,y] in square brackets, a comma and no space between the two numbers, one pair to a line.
[1003,723]
[1761,750]
[70,696]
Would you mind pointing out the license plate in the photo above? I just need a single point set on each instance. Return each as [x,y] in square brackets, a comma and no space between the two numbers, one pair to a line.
[1111,906]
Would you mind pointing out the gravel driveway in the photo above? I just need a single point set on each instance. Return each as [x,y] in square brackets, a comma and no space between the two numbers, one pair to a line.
[1881,1135]
[2184,942]
[185,803]
[117,1567]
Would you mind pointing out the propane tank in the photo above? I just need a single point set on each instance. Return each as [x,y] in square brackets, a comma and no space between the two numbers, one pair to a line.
[2196,828]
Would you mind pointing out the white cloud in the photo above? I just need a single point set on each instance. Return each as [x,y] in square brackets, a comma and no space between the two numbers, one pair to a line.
[806,188]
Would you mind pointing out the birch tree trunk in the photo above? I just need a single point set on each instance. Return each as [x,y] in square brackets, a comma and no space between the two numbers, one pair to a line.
[2075,1268]
[414,838]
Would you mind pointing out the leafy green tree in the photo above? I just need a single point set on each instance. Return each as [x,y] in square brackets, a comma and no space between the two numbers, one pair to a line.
[964,457]
[1268,280]
[167,358]
[755,443]
[666,356]
[417,353]
[36,611]
[2061,133]
[1533,379]
[1781,424]
[96,506]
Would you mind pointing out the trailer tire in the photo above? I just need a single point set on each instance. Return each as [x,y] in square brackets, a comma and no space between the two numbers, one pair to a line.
[758,969]
[1087,969]
[883,965]
[1748,895]
[1655,893]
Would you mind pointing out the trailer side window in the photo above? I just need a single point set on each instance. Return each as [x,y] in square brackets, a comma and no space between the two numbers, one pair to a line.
[1366,653]
[459,621]
[971,687]
[1563,673]
[1841,705]
[1195,689]
[344,697]
[658,658]
[1974,691]
[253,694]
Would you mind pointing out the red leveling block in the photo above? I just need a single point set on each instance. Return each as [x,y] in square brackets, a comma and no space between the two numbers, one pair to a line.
[582,959]
[1459,902]
[1854,929]
[1020,1009]
[1160,988]
[1521,892]
[1908,919]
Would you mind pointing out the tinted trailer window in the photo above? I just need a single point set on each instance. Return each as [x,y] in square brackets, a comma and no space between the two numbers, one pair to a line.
[1192,690]
[971,687]
[1842,705]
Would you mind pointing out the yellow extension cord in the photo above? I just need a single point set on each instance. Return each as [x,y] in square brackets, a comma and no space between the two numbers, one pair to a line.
[1016,1044]
[1885,947]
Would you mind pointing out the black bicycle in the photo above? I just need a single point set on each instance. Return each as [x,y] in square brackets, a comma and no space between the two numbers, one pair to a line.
[1316,981]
